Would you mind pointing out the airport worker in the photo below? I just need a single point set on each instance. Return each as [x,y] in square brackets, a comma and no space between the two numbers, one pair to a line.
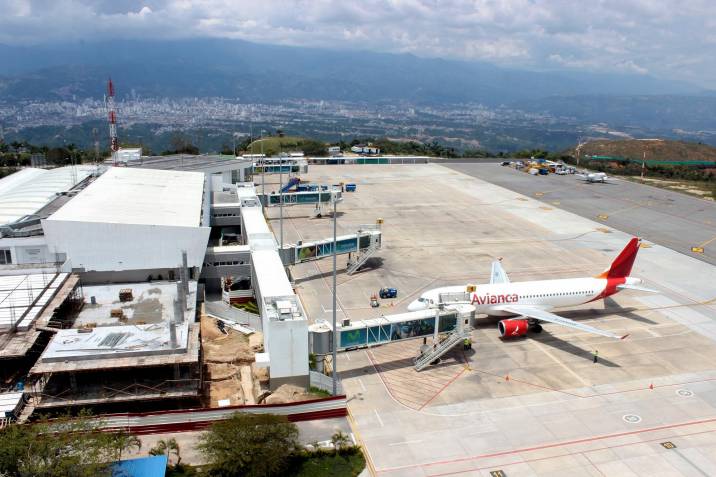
[596,355]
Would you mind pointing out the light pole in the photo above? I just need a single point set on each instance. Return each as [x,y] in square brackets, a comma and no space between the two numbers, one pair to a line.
[263,166]
[335,291]
[280,193]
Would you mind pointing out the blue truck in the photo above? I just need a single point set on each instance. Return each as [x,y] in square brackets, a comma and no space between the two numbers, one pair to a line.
[388,292]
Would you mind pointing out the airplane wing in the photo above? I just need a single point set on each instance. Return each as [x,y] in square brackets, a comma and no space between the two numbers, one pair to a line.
[498,275]
[539,314]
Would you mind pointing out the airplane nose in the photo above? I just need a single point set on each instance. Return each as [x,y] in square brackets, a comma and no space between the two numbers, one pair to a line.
[415,306]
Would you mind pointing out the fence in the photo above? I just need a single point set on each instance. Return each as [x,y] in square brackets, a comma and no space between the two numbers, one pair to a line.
[321,381]
[185,420]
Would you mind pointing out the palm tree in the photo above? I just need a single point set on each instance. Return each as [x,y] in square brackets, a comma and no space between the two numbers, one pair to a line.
[340,440]
[123,441]
[167,447]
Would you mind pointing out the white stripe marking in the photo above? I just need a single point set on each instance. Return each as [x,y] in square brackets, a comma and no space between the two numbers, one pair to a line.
[404,442]
[378,417]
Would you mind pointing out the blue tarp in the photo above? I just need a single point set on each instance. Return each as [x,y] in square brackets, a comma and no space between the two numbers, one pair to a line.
[152,466]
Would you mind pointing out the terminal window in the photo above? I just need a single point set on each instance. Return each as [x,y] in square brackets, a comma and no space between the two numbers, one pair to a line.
[5,257]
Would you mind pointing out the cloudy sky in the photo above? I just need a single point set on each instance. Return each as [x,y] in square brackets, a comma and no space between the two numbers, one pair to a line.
[666,39]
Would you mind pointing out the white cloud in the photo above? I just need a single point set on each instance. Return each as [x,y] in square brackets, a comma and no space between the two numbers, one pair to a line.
[660,37]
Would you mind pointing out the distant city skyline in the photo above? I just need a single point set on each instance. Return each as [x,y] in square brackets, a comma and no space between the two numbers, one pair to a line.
[664,39]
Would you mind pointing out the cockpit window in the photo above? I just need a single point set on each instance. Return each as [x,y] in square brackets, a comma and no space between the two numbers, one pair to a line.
[421,299]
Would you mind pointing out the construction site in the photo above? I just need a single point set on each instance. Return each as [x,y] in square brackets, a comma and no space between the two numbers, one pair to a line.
[157,283]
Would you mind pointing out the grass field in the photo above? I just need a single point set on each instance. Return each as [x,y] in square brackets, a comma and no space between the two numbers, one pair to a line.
[329,465]
[273,145]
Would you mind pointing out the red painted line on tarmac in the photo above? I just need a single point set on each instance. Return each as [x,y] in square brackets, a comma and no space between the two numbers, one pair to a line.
[415,387]
[567,454]
[443,388]
[382,379]
[553,445]
[413,382]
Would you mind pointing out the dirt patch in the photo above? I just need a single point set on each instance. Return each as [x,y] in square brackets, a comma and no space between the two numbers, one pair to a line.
[220,371]
[218,347]
[228,389]
[687,187]
[224,356]
[288,393]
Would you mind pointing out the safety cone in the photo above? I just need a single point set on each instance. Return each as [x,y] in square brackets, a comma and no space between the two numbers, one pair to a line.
[651,386]
[507,377]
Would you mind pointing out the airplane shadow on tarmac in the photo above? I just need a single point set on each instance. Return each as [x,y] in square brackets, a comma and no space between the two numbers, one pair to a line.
[548,339]
[611,309]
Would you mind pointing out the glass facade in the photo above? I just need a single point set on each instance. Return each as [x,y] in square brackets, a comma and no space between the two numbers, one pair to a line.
[395,331]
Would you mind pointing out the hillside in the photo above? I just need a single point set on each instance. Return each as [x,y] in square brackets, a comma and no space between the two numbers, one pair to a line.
[274,145]
[656,150]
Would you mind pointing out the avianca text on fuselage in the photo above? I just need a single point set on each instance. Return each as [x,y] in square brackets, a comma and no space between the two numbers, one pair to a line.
[494,299]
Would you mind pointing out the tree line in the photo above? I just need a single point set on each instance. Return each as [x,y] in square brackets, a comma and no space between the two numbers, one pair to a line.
[250,445]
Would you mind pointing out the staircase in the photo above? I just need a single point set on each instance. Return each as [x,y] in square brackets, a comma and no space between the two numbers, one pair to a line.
[443,347]
[354,263]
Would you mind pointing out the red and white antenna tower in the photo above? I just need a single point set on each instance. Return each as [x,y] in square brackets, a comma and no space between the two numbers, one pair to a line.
[112,112]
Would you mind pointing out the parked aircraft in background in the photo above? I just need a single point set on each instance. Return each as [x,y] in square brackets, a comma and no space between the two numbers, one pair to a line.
[532,301]
[593,177]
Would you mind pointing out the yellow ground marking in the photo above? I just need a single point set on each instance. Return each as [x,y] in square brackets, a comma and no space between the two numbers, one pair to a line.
[368,460]
[703,244]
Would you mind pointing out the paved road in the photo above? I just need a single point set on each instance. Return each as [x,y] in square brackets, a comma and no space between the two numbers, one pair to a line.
[667,218]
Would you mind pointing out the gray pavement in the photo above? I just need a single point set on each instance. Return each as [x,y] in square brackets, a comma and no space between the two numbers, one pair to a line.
[534,406]
[665,217]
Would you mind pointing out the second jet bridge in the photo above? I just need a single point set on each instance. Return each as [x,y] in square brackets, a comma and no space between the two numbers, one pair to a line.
[361,245]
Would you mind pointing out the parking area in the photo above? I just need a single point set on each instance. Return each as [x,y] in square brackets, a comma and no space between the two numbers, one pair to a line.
[533,406]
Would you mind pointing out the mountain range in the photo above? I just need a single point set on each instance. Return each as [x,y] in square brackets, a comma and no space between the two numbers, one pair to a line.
[264,73]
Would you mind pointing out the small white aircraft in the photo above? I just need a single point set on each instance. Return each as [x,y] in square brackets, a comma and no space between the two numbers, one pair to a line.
[532,301]
[593,177]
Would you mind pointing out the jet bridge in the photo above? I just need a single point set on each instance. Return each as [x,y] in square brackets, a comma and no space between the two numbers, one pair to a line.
[364,243]
[303,197]
[389,328]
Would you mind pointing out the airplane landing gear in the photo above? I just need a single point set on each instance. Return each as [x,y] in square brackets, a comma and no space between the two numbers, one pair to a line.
[535,327]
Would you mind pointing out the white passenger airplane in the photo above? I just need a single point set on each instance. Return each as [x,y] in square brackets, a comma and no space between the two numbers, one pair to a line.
[593,177]
[532,301]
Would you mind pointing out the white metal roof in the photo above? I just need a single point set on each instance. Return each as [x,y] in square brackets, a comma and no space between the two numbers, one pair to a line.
[9,403]
[270,274]
[138,196]
[29,190]
[254,221]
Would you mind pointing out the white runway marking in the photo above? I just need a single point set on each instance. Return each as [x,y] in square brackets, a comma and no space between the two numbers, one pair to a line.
[564,366]
[404,442]
[362,386]
[378,417]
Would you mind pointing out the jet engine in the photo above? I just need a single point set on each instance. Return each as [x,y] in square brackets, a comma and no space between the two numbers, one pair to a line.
[512,328]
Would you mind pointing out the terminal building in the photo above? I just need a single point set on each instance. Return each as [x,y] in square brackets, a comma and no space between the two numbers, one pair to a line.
[105,272]
[106,269]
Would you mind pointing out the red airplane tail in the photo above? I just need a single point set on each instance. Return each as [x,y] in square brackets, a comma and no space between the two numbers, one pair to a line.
[621,266]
